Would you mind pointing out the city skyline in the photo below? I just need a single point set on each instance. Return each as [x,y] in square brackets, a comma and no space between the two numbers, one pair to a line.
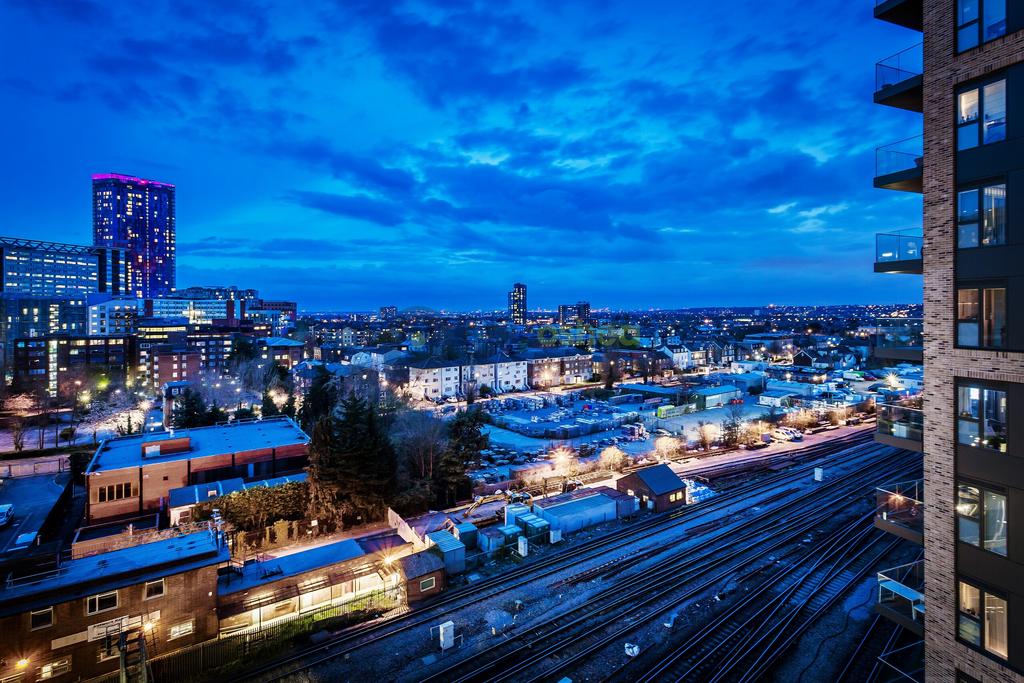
[362,171]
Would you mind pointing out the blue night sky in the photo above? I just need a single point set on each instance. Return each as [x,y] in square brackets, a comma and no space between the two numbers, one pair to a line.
[355,154]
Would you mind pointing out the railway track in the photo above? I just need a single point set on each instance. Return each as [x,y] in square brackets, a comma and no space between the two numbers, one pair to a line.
[745,640]
[642,597]
[840,450]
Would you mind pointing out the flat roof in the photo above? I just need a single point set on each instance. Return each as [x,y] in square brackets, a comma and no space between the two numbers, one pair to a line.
[256,574]
[574,506]
[444,541]
[280,341]
[233,437]
[116,569]
[33,498]
[714,391]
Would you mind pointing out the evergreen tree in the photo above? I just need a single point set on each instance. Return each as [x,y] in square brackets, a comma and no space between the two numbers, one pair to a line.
[269,408]
[289,405]
[352,465]
[320,399]
[190,410]
[465,441]
[325,473]
[214,415]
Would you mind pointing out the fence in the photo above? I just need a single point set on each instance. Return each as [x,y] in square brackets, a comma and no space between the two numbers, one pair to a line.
[10,469]
[231,653]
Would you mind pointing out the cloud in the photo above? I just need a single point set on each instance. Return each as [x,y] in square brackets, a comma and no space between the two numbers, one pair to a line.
[353,206]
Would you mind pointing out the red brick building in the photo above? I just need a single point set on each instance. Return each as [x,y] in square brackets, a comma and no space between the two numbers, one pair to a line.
[133,474]
[56,625]
[657,487]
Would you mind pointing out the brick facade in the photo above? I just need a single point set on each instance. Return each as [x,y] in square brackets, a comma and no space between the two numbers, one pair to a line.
[944,70]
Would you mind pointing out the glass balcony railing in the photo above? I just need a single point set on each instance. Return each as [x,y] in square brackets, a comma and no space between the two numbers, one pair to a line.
[901,505]
[903,420]
[901,591]
[900,157]
[898,333]
[902,245]
[899,67]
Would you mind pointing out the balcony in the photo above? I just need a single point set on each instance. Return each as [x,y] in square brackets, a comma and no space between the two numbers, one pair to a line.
[906,13]
[899,252]
[898,339]
[899,81]
[901,596]
[900,165]
[901,425]
[899,510]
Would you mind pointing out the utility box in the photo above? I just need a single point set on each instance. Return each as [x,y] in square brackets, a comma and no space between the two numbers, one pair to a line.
[819,474]
[447,634]
[524,546]
[556,536]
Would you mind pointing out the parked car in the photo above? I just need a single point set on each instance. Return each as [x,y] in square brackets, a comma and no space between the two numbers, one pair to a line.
[780,435]
[795,434]
[6,514]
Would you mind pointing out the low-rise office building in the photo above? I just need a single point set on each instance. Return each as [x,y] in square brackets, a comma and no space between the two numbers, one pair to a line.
[133,474]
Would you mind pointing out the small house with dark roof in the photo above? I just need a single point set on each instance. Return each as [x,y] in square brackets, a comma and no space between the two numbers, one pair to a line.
[422,574]
[657,487]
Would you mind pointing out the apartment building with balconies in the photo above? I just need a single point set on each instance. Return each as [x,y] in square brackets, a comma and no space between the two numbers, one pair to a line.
[968,165]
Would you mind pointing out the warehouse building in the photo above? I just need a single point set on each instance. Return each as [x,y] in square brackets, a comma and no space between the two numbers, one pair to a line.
[584,507]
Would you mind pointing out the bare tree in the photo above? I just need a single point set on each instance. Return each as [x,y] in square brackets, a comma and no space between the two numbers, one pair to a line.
[18,434]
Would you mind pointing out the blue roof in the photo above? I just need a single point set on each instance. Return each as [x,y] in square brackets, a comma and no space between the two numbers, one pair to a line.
[268,571]
[233,437]
[444,541]
[660,479]
[280,341]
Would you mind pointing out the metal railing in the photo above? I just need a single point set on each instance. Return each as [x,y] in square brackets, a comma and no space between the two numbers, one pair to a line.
[901,504]
[901,589]
[903,155]
[901,245]
[899,67]
[901,421]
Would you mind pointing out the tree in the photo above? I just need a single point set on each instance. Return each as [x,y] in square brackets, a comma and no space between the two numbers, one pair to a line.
[325,471]
[68,434]
[732,426]
[269,408]
[18,434]
[320,399]
[289,405]
[611,374]
[420,439]
[352,464]
[614,459]
[465,441]
[189,410]
[124,429]
[705,434]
